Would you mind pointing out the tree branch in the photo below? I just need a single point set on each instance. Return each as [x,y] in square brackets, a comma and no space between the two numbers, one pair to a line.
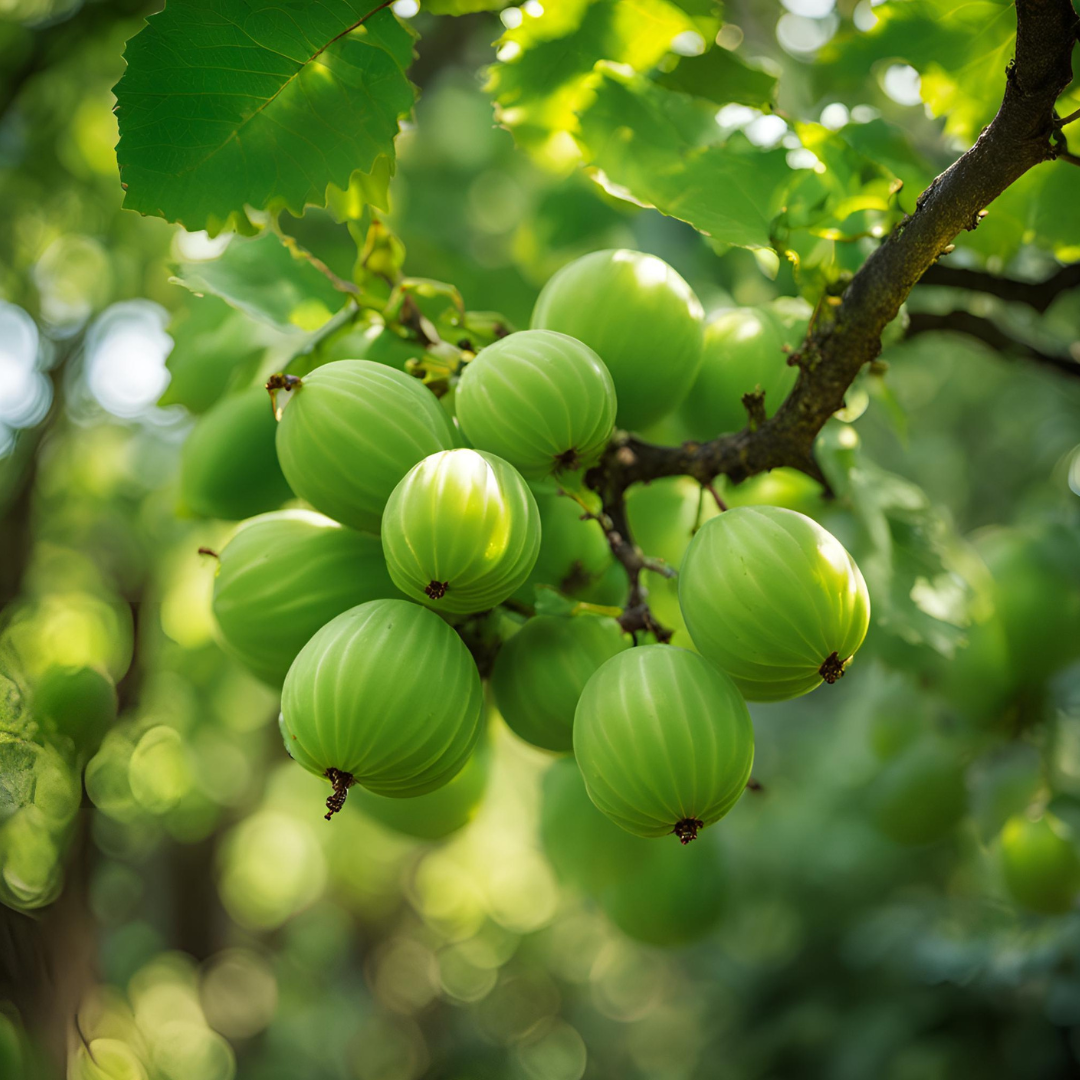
[847,333]
[986,330]
[1036,294]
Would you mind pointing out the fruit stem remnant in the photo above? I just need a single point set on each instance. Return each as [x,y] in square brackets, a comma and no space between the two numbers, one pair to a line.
[687,829]
[281,381]
[832,668]
[342,781]
[436,589]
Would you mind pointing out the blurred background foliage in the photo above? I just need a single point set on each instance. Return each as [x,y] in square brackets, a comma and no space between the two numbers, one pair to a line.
[167,878]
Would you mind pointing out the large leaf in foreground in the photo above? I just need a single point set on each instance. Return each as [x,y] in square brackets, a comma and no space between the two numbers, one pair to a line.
[260,103]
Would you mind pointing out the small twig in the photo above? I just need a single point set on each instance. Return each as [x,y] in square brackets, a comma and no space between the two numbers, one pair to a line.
[985,330]
[1062,121]
[1072,159]
[710,487]
[1035,294]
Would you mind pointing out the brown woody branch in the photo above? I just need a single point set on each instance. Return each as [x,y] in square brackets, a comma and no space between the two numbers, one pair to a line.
[986,330]
[847,333]
[1035,294]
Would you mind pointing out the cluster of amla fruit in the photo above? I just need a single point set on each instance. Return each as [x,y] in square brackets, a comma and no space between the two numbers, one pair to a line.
[427,519]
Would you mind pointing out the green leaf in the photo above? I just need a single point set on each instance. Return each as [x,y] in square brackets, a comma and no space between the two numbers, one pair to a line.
[547,63]
[923,581]
[721,77]
[659,148]
[262,279]
[1040,208]
[960,50]
[214,346]
[260,103]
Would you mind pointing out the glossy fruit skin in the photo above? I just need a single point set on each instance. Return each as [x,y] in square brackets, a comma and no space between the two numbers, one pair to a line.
[282,576]
[76,703]
[228,467]
[661,894]
[661,738]
[573,553]
[540,672]
[387,693]
[1040,864]
[744,350]
[642,320]
[461,532]
[351,431]
[769,596]
[439,813]
[541,400]
[921,794]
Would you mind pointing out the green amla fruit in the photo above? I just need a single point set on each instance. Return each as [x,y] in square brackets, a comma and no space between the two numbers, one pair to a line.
[540,400]
[75,703]
[665,514]
[106,1059]
[461,532]
[656,893]
[351,431]
[386,696]
[672,897]
[282,576]
[664,741]
[540,672]
[921,794]
[774,600]
[745,350]
[439,813]
[574,552]
[642,320]
[369,341]
[1040,864]
[228,468]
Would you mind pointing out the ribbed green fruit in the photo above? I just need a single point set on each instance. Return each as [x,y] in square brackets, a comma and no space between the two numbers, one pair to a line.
[540,672]
[439,813]
[662,894]
[351,431]
[664,741]
[744,351]
[282,576]
[1040,864]
[642,320]
[461,532]
[228,468]
[921,794]
[369,341]
[385,695]
[773,599]
[76,703]
[541,400]
[573,554]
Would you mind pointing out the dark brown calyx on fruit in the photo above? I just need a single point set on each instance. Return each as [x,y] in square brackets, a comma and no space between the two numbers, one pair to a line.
[436,589]
[833,668]
[687,829]
[342,781]
[568,459]
[281,381]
